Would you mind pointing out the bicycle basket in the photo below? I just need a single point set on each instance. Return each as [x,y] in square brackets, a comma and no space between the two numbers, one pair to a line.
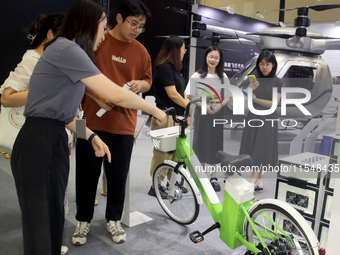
[165,139]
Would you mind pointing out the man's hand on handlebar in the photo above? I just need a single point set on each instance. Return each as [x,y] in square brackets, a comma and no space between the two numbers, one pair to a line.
[161,117]
[162,122]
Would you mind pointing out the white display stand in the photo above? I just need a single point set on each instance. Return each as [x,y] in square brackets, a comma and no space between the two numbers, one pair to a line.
[333,233]
[322,191]
[302,182]
[131,219]
[332,247]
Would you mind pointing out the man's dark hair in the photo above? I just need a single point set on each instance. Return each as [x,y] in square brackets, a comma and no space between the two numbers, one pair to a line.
[134,8]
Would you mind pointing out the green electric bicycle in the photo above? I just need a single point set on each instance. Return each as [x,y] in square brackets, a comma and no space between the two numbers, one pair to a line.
[268,226]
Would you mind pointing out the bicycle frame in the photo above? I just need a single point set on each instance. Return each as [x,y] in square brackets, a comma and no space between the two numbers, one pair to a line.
[236,205]
[238,218]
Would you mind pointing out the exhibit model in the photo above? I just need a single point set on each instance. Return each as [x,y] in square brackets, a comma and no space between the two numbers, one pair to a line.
[297,50]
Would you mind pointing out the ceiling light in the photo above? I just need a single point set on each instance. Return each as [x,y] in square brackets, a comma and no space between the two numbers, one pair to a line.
[259,15]
[228,9]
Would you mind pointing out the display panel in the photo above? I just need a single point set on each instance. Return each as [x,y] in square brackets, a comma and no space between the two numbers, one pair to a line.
[302,199]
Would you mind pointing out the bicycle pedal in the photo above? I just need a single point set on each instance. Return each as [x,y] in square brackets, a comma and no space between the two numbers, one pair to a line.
[196,236]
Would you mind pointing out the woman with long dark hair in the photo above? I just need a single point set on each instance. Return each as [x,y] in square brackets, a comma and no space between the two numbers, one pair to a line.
[169,90]
[40,158]
[260,139]
[207,138]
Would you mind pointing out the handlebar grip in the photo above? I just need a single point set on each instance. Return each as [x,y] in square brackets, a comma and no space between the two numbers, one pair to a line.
[169,110]
[172,111]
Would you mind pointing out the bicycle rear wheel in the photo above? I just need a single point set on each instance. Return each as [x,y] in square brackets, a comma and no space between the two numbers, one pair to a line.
[269,218]
[183,207]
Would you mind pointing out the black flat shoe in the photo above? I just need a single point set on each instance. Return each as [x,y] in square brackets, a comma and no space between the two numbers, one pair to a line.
[152,192]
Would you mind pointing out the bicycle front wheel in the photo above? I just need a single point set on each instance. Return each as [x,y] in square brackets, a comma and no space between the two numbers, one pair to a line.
[182,207]
[270,220]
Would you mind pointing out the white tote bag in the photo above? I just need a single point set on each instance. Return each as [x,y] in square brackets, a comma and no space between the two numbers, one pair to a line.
[11,121]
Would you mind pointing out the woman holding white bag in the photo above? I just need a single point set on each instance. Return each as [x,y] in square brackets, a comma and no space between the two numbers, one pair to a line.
[15,88]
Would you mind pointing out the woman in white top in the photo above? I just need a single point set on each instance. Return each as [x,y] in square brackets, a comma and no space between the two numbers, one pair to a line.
[15,88]
[208,139]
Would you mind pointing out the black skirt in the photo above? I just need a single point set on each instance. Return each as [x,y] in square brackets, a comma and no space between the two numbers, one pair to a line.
[207,138]
[261,142]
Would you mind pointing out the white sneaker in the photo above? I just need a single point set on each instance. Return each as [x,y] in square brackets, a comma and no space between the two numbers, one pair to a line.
[80,235]
[116,230]
[259,185]
[64,250]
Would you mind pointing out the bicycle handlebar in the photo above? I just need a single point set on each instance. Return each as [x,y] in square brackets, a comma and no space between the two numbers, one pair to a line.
[181,120]
[172,111]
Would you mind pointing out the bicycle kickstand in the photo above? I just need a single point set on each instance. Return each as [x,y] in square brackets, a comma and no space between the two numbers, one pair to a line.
[196,236]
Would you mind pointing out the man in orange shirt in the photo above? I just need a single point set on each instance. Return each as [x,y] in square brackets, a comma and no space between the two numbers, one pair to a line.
[122,59]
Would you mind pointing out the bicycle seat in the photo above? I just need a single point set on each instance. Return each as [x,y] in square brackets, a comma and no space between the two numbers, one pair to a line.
[234,163]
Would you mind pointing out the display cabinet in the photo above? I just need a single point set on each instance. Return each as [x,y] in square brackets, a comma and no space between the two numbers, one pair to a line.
[305,181]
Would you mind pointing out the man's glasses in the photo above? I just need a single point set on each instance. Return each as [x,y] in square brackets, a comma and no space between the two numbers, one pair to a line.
[135,26]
